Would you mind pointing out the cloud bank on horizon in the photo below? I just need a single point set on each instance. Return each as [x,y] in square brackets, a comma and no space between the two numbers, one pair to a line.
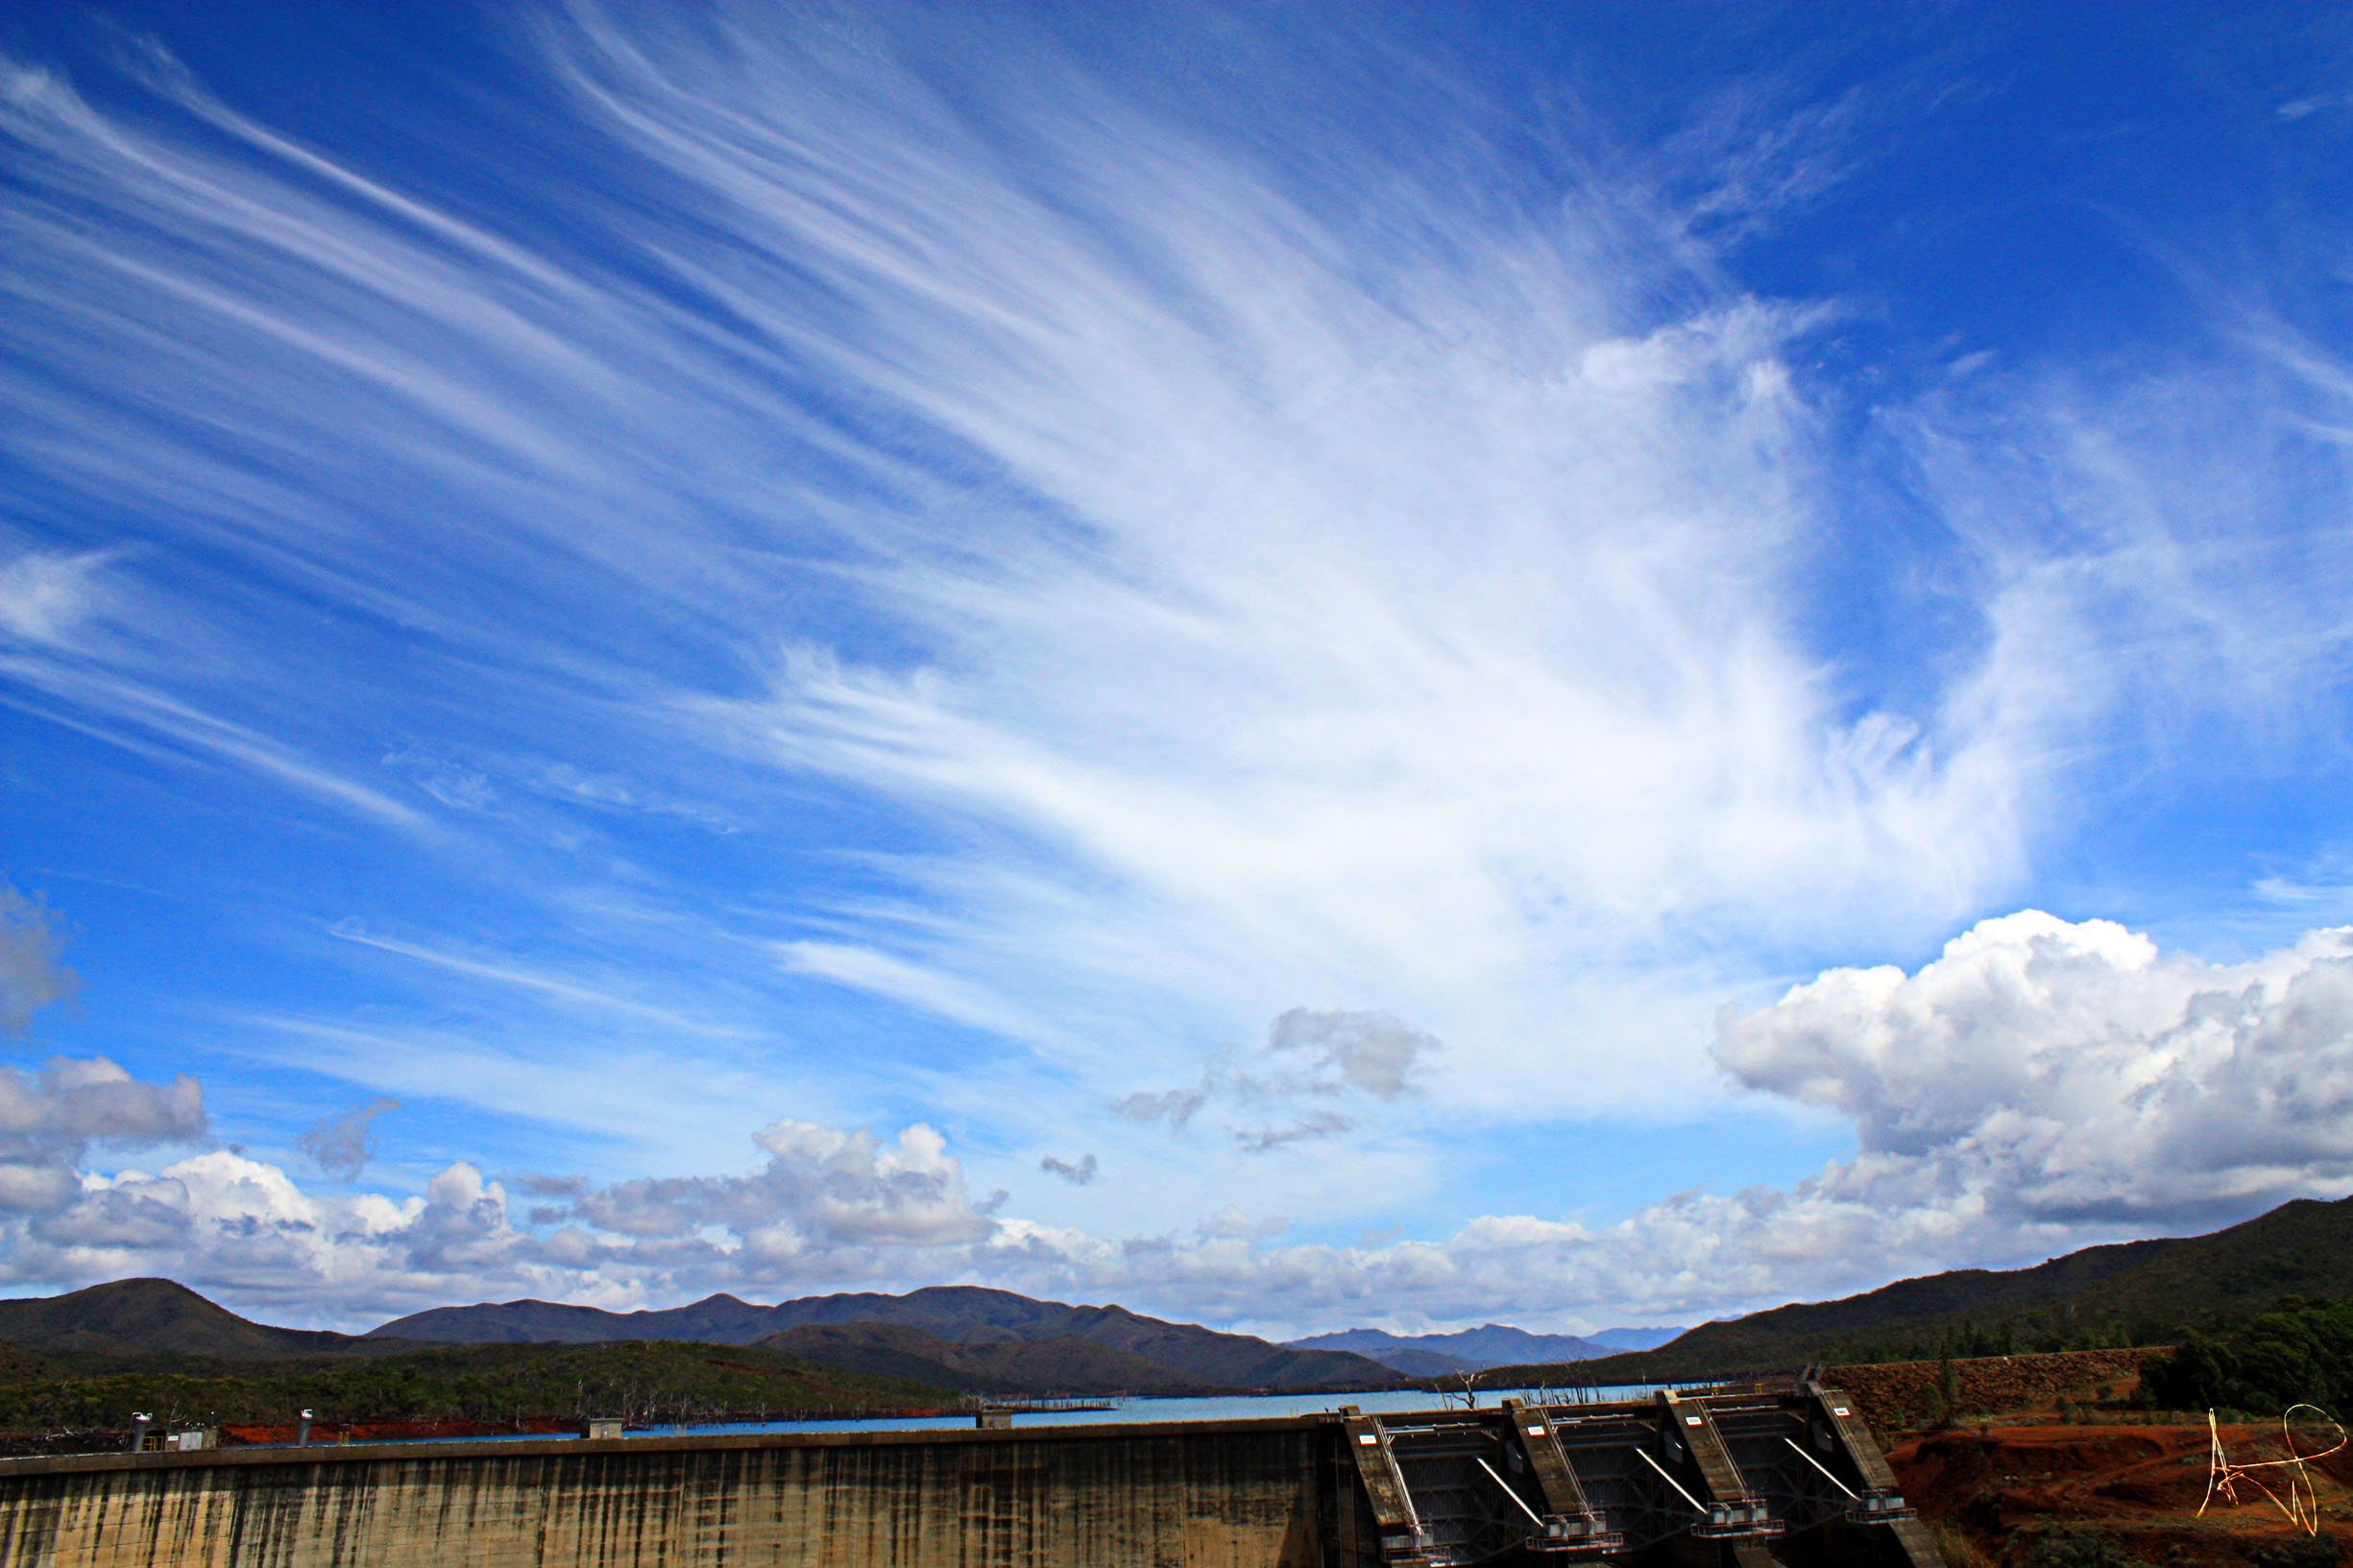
[1207,657]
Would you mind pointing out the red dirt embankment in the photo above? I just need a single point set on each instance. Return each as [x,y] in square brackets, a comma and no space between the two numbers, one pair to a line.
[2009,1471]
[2139,1486]
[390,1431]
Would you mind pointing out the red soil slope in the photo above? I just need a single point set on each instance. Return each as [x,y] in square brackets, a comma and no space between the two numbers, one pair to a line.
[2140,1486]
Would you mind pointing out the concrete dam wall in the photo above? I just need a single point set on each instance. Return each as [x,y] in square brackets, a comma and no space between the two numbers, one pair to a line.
[1659,1483]
[1246,1497]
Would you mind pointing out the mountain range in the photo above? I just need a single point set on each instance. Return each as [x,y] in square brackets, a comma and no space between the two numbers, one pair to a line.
[958,1338]
[1472,1350]
[975,1339]
[926,1326]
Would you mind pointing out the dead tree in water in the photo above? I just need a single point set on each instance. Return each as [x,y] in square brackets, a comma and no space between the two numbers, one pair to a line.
[1467,1393]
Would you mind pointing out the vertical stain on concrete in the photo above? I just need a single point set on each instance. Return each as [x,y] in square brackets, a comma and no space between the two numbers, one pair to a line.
[30,1534]
[1237,1497]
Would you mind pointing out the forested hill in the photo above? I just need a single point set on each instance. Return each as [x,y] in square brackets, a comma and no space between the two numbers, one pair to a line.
[2143,1292]
[500,1385]
[959,1315]
[161,1318]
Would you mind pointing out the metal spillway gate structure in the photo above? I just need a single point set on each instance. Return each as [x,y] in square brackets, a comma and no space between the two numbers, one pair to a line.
[1760,1477]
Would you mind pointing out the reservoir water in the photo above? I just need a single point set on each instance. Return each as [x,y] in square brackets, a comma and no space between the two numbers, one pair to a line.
[1235,1407]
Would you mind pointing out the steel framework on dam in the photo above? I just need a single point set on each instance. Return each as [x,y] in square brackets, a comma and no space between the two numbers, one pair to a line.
[1758,1476]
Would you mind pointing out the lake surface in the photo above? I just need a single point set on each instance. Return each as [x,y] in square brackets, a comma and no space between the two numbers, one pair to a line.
[1239,1407]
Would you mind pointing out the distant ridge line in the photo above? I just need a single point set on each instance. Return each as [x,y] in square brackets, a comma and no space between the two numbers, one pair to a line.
[1492,1344]
[2145,1291]
[954,1314]
[973,1337]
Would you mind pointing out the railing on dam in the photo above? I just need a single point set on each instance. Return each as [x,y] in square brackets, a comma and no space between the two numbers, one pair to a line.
[1756,1478]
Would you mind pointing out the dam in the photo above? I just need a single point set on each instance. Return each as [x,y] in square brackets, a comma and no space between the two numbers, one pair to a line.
[1777,1477]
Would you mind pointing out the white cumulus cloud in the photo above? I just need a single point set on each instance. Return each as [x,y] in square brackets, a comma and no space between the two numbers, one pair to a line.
[2041,1085]
[2062,1071]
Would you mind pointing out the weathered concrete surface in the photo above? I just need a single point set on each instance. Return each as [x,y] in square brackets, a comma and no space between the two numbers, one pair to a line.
[1245,1494]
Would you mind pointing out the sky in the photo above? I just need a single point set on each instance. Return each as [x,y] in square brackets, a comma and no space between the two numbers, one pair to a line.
[1294,664]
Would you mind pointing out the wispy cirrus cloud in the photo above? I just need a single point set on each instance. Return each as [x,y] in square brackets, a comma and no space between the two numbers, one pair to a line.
[1425,627]
[895,512]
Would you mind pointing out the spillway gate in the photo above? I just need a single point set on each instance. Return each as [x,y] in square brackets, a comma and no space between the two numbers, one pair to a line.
[1760,1476]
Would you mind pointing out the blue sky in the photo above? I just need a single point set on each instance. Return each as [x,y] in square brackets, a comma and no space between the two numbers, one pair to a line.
[1297,666]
